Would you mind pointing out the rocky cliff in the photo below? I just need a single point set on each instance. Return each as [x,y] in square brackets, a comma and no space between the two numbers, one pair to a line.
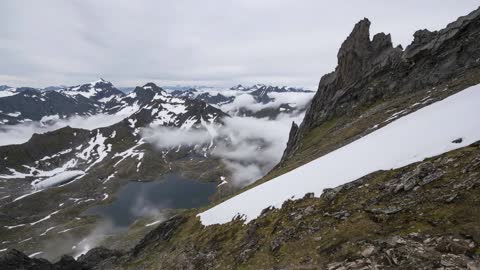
[372,71]
[420,216]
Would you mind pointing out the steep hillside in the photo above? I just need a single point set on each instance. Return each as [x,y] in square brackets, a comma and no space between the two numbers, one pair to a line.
[375,83]
[429,131]
[29,104]
[70,170]
[422,216]
[25,104]
[383,173]
[419,215]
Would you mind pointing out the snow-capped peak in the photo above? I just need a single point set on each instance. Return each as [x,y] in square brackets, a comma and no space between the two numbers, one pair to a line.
[100,90]
[101,80]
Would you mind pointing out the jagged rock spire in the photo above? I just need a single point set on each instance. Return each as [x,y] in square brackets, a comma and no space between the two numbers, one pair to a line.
[354,52]
[358,53]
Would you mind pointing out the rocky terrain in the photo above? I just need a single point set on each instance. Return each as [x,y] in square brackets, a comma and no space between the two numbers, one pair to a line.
[95,164]
[25,104]
[73,169]
[375,83]
[423,215]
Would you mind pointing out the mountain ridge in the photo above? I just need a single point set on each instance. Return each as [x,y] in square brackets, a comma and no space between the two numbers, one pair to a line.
[420,215]
[371,70]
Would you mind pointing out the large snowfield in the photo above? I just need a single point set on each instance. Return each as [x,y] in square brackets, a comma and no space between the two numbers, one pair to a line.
[425,133]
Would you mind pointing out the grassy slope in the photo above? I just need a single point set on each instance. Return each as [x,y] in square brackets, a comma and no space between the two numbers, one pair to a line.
[313,232]
[344,129]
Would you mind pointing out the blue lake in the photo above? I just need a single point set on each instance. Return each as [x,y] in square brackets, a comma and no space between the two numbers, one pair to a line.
[137,199]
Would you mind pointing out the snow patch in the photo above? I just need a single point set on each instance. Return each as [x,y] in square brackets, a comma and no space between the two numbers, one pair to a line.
[58,179]
[35,254]
[45,218]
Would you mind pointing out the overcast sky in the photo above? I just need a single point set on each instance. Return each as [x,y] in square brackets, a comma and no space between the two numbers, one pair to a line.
[209,42]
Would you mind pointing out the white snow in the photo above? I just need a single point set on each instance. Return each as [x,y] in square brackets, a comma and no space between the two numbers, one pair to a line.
[56,155]
[15,114]
[412,138]
[57,179]
[129,153]
[47,230]
[39,173]
[25,195]
[153,223]
[222,178]
[89,92]
[96,148]
[66,230]
[109,177]
[35,254]
[132,122]
[107,99]
[8,92]
[45,218]
[175,108]
[28,239]
[15,226]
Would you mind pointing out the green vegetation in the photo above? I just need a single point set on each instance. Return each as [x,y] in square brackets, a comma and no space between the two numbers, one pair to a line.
[313,231]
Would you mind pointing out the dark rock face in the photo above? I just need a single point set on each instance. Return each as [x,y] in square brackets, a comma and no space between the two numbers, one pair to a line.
[218,99]
[261,95]
[4,87]
[99,255]
[69,263]
[354,55]
[41,145]
[16,260]
[32,104]
[292,138]
[370,70]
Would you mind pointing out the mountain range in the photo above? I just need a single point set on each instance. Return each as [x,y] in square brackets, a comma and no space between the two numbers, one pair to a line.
[381,173]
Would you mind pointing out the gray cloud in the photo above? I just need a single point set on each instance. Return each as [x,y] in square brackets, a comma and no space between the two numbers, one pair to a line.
[249,148]
[195,42]
[21,133]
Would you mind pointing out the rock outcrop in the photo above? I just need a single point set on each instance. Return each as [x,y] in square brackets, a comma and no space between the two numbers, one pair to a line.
[370,70]
[15,260]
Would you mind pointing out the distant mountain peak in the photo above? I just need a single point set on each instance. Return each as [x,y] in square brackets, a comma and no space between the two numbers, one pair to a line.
[268,88]
[4,87]
[100,90]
